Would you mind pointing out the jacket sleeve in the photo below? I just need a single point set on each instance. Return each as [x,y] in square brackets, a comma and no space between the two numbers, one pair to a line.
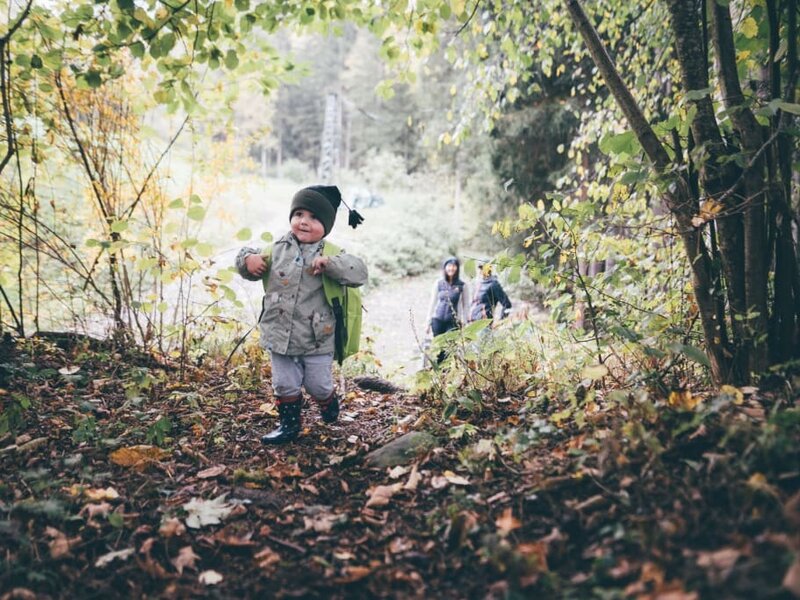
[463,303]
[434,301]
[241,267]
[502,298]
[347,269]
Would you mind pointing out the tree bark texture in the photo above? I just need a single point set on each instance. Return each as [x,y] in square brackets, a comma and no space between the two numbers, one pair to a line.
[754,203]
[717,174]
[677,194]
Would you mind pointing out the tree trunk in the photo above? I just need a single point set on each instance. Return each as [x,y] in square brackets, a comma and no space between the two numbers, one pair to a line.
[677,195]
[752,138]
[716,174]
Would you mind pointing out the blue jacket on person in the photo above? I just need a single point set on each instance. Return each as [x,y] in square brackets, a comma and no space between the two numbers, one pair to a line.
[488,295]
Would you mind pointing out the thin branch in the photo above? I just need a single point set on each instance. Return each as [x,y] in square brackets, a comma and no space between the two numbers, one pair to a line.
[13,29]
[129,211]
[17,324]
[81,150]
[469,19]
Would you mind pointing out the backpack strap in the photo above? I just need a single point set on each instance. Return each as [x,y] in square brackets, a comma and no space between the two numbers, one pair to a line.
[336,297]
[267,256]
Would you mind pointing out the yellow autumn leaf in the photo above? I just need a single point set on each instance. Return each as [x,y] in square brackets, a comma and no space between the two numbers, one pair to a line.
[458,6]
[97,494]
[735,393]
[710,208]
[749,27]
[758,481]
[684,400]
[137,457]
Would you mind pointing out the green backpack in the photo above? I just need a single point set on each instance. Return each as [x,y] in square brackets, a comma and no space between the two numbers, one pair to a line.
[346,304]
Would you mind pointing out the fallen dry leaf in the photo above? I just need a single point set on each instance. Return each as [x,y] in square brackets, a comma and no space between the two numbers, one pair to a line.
[310,488]
[96,510]
[206,512]
[535,554]
[268,408]
[112,556]
[381,494]
[210,472]
[438,482]
[684,400]
[209,577]
[352,574]
[507,522]
[231,538]
[413,479]
[791,581]
[736,395]
[147,546]
[284,471]
[138,457]
[400,544]
[397,472]
[321,523]
[108,493]
[96,494]
[759,482]
[186,559]
[455,479]
[720,560]
[171,527]
[59,543]
[267,558]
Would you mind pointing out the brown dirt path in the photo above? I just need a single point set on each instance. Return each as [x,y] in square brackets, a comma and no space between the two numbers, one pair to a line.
[396,320]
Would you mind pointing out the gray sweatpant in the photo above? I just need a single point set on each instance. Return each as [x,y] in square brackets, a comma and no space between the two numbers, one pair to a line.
[312,372]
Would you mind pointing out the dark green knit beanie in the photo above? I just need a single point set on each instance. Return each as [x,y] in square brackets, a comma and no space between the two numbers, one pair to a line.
[322,200]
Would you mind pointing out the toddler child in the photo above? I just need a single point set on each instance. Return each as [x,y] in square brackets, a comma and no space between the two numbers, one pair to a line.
[297,325]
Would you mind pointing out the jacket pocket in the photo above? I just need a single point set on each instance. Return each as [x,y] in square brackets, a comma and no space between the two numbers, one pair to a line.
[323,326]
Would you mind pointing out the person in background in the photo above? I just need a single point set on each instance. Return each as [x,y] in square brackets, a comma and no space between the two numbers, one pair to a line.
[488,295]
[449,302]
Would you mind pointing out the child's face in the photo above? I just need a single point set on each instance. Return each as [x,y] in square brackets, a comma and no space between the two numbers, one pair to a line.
[306,227]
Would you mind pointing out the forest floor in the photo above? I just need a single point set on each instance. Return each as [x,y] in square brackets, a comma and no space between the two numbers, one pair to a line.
[120,479]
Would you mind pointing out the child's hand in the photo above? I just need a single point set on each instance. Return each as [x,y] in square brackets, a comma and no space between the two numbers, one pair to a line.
[319,264]
[256,265]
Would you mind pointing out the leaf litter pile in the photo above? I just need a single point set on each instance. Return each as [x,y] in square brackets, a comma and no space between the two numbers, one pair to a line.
[121,479]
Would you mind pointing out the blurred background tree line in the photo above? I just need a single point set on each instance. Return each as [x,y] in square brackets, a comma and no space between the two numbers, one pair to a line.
[142,140]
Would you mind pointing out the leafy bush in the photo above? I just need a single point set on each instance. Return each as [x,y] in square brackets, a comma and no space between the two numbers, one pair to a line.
[384,170]
[296,171]
[414,235]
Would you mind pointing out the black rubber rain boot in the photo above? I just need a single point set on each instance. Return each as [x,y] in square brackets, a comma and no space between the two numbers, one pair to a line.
[289,428]
[329,409]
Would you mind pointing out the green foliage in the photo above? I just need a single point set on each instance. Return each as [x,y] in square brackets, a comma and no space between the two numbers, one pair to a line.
[363,362]
[410,234]
[158,432]
[85,430]
[12,419]
[297,171]
[593,273]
